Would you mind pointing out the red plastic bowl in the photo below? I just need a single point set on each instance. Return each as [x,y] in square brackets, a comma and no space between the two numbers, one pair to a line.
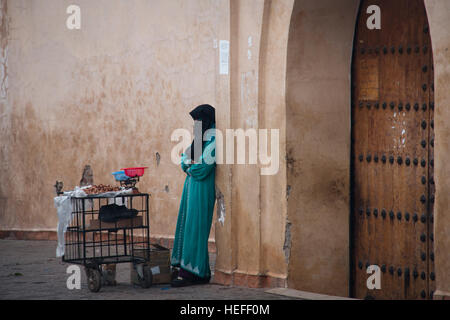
[134,172]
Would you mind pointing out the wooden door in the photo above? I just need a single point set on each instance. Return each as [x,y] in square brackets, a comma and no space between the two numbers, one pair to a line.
[392,152]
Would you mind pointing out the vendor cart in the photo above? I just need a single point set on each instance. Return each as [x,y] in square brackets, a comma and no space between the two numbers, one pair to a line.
[91,242]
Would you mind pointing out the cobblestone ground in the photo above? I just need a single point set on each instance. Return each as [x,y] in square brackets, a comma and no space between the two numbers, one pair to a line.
[30,270]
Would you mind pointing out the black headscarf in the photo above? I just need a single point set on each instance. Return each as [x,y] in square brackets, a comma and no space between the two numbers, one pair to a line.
[207,115]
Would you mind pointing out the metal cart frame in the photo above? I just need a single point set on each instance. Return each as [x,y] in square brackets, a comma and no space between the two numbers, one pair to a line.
[93,243]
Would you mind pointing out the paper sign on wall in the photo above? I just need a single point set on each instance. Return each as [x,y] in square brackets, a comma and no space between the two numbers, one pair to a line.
[224,47]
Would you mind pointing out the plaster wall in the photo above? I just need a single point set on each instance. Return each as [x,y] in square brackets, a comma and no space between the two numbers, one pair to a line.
[318,144]
[258,37]
[275,227]
[108,95]
[246,23]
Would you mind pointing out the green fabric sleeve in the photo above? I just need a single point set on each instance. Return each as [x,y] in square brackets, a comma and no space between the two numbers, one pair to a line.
[200,171]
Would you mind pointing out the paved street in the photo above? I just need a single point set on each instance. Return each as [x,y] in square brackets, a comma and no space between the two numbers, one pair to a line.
[30,270]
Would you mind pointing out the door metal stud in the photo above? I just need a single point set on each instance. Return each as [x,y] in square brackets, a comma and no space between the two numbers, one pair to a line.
[423,237]
[423,163]
[407,216]
[391,215]
[423,218]
[423,199]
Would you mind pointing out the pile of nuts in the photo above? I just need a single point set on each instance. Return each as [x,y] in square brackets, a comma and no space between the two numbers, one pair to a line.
[101,188]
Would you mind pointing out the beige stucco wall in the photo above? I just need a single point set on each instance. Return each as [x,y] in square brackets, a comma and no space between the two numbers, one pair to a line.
[246,21]
[225,258]
[108,95]
[438,12]
[256,218]
[275,240]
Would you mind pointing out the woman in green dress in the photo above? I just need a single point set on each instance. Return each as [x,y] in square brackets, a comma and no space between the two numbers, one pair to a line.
[190,250]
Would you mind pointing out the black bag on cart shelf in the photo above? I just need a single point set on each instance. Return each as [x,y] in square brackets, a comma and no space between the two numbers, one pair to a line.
[114,213]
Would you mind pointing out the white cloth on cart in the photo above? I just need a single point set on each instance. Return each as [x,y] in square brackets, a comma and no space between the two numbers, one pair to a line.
[63,206]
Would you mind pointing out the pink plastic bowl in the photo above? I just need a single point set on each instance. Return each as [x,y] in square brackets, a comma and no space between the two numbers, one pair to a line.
[134,172]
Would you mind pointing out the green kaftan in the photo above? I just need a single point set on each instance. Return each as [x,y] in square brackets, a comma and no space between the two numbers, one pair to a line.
[190,249]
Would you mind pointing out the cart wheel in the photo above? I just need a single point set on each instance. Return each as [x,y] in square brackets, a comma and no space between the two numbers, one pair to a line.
[94,279]
[145,276]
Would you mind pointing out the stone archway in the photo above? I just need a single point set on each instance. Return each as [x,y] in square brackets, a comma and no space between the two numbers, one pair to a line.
[318,143]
